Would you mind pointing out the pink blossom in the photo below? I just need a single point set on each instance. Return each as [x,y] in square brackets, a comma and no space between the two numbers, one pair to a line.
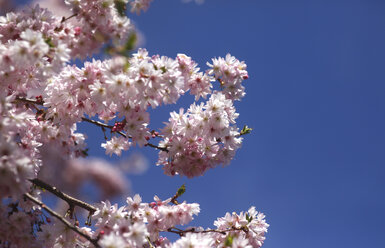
[116,145]
[139,5]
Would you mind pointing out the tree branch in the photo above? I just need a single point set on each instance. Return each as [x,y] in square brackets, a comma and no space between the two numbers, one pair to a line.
[192,230]
[30,101]
[103,125]
[62,219]
[181,232]
[72,202]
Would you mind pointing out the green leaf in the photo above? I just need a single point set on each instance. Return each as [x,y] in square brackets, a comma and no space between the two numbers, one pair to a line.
[124,49]
[131,42]
[245,130]
[120,6]
[109,50]
[105,4]
[126,67]
[229,241]
[85,152]
[181,190]
[249,218]
[49,42]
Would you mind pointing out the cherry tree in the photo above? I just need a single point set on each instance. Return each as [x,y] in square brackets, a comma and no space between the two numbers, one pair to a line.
[45,95]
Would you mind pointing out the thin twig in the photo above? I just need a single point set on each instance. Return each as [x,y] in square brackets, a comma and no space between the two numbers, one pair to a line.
[103,125]
[72,202]
[157,147]
[62,219]
[67,18]
[192,230]
[150,243]
[104,133]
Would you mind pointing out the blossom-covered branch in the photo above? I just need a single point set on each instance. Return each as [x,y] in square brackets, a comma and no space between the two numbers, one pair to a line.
[149,220]
[114,128]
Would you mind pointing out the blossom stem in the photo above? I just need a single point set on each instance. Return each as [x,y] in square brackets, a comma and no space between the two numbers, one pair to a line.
[62,219]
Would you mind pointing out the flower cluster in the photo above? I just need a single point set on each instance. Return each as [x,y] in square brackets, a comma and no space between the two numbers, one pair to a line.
[252,224]
[201,138]
[126,88]
[31,51]
[22,134]
[98,22]
[138,221]
[35,46]
[230,72]
[139,224]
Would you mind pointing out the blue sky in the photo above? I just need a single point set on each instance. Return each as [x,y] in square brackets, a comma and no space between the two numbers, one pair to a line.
[314,163]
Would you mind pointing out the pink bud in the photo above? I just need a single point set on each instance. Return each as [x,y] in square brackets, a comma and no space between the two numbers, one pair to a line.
[78,30]
[153,204]
[39,99]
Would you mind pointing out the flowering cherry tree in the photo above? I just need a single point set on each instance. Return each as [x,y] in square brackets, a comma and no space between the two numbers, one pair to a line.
[44,95]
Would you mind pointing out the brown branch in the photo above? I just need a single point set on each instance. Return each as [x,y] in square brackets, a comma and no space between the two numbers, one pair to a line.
[103,125]
[192,230]
[72,202]
[30,101]
[181,232]
[62,219]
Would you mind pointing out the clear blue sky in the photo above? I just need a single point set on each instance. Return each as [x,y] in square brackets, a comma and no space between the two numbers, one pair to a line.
[315,161]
